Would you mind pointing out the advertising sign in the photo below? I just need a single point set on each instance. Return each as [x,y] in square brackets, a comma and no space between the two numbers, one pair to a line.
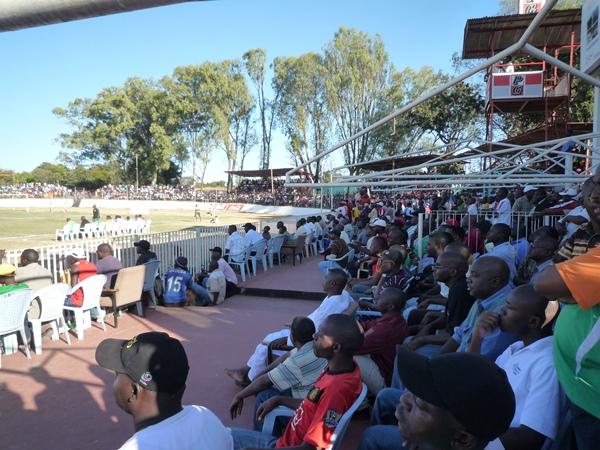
[590,42]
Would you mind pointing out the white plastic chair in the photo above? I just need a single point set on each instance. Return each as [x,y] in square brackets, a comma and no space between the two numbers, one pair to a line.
[315,243]
[349,255]
[101,230]
[13,307]
[338,434]
[92,291]
[89,230]
[151,273]
[308,244]
[274,248]
[244,261]
[52,300]
[259,254]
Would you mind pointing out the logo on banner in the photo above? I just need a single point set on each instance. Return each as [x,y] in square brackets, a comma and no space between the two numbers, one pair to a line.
[517,85]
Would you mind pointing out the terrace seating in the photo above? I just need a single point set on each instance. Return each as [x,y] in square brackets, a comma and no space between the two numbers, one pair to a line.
[127,291]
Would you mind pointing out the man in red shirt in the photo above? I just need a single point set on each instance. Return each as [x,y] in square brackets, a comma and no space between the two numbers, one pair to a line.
[317,415]
[80,270]
[376,356]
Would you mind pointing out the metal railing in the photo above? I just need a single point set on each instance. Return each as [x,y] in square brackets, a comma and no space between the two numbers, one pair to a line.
[193,243]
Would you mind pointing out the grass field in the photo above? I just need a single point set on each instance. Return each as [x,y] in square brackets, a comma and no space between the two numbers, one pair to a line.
[20,229]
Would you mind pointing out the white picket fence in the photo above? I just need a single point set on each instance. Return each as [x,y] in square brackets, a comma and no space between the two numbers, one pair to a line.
[193,243]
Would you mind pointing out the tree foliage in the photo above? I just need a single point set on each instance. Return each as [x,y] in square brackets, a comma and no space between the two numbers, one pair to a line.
[302,109]
[358,70]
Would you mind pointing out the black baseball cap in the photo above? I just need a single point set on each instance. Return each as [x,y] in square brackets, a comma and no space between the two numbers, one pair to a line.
[470,386]
[216,249]
[142,244]
[154,360]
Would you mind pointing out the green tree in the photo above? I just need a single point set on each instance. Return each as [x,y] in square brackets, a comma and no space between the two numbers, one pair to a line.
[51,173]
[358,71]
[404,135]
[302,108]
[123,124]
[255,64]
[233,105]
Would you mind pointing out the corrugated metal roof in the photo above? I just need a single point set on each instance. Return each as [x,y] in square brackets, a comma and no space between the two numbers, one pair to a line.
[262,173]
[488,36]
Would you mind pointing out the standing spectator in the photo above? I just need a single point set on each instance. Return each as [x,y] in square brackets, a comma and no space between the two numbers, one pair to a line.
[95,214]
[503,207]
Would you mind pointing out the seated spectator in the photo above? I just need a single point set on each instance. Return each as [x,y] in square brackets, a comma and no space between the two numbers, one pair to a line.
[216,284]
[266,235]
[451,269]
[529,364]
[34,275]
[317,415]
[234,245]
[394,274]
[442,406]
[576,283]
[499,235]
[107,264]
[376,356]
[289,241]
[151,372]
[338,249]
[80,270]
[361,285]
[538,259]
[142,248]
[290,375]
[587,235]
[8,282]
[337,301]
[231,288]
[177,281]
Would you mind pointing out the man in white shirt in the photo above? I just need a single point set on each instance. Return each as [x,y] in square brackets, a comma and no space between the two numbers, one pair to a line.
[151,372]
[338,300]
[235,244]
[503,207]
[529,365]
[216,284]
[252,236]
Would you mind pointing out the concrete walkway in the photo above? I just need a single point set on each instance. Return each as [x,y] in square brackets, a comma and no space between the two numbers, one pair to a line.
[63,399]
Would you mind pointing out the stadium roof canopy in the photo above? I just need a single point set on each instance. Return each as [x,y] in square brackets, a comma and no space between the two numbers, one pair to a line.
[487,36]
[261,173]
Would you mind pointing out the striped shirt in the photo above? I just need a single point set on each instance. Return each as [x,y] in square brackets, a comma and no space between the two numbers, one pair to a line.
[299,371]
[579,243]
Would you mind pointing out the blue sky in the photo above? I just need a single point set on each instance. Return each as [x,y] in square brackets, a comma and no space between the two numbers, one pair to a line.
[49,66]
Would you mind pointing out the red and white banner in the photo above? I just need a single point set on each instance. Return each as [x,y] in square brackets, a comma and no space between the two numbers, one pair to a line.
[530,6]
[517,85]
